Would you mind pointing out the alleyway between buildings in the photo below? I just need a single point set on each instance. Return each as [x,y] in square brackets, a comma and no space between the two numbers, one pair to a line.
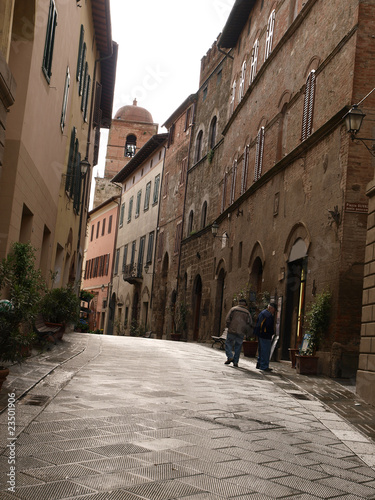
[104,418]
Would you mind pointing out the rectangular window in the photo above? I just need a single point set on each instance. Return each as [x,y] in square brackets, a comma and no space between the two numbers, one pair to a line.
[240,254]
[171,135]
[269,35]
[85,96]
[110,224]
[138,204]
[122,211]
[92,232]
[259,154]
[233,186]
[97,229]
[254,60]
[65,99]
[245,167]
[242,81]
[124,258]
[147,196]
[150,247]
[50,41]
[132,257]
[82,69]
[103,227]
[130,209]
[117,261]
[107,264]
[80,53]
[156,189]
[232,98]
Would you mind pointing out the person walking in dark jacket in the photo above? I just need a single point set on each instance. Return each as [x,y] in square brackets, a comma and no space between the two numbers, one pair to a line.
[264,330]
[239,324]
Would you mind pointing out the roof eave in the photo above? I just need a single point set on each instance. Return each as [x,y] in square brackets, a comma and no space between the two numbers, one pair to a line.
[236,22]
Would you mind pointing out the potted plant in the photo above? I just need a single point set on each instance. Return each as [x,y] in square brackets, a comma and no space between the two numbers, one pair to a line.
[22,285]
[180,321]
[317,317]
[60,306]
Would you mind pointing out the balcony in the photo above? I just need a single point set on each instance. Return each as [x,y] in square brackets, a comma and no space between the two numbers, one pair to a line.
[132,273]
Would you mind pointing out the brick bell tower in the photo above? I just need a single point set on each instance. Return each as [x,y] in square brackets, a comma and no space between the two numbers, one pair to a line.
[130,129]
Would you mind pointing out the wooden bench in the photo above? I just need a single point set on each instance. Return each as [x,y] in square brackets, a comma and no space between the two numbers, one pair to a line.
[220,340]
[47,332]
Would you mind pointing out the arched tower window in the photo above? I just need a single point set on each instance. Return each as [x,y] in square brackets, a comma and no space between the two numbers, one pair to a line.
[130,146]
[213,133]
[198,146]
[204,215]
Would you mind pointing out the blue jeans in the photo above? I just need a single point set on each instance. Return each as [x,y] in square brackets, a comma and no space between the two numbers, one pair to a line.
[233,342]
[264,350]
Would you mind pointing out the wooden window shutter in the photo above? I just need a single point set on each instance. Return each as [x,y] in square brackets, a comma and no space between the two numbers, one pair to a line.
[308,106]
[77,182]
[80,53]
[259,154]
[245,167]
[82,70]
[269,36]
[254,60]
[69,173]
[233,186]
[50,40]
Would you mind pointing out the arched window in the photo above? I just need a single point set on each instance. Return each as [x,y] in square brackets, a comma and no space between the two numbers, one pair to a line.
[190,223]
[308,106]
[204,215]
[213,133]
[130,146]
[198,146]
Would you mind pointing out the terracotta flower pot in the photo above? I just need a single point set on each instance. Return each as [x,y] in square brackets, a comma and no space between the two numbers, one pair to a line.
[307,365]
[250,348]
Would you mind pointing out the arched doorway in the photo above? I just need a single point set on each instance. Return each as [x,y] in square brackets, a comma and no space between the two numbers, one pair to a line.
[295,297]
[197,299]
[218,328]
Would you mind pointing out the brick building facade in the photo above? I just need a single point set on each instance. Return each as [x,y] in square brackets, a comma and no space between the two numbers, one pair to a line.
[284,184]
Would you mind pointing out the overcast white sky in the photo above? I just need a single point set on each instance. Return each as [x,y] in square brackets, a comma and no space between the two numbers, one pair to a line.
[160,49]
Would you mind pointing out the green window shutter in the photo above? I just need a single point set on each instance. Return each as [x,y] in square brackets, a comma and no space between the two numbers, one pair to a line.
[82,70]
[77,182]
[50,40]
[69,172]
[80,53]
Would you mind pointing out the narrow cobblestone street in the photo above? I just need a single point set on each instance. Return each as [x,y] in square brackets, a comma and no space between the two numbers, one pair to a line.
[134,418]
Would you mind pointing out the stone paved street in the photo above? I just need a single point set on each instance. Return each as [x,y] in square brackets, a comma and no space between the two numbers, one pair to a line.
[134,418]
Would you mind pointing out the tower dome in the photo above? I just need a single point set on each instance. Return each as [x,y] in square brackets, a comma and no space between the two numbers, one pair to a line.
[134,113]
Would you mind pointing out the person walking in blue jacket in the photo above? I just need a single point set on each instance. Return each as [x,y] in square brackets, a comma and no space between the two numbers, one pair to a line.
[239,324]
[264,330]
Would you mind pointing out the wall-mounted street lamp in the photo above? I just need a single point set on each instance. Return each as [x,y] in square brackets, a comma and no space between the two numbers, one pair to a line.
[214,230]
[353,121]
[84,166]
[146,268]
